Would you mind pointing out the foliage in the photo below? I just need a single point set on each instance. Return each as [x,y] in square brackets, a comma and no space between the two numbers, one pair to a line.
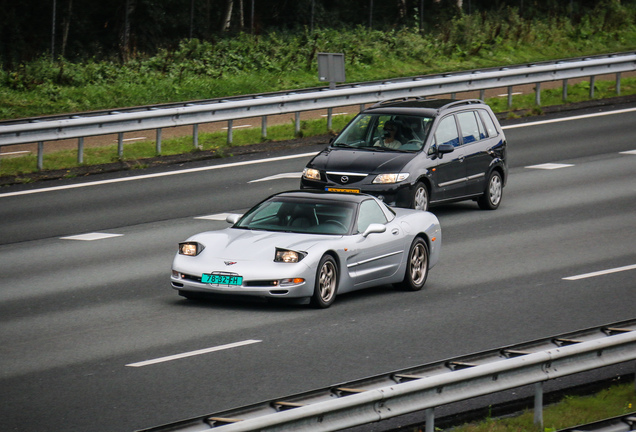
[571,411]
[285,59]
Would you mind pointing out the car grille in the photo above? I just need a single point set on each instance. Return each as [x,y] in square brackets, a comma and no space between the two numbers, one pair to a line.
[345,178]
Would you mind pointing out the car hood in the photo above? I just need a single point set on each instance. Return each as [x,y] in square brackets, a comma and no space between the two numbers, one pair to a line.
[365,161]
[247,245]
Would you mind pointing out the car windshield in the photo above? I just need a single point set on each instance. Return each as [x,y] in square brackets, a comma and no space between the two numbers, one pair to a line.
[385,132]
[300,216]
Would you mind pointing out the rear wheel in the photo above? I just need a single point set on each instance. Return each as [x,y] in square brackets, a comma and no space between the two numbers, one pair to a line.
[416,266]
[491,198]
[326,283]
[420,197]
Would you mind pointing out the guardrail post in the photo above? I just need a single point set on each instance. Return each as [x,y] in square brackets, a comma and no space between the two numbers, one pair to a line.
[537,94]
[120,145]
[592,82]
[430,420]
[564,96]
[297,124]
[40,155]
[195,135]
[618,83]
[80,150]
[538,404]
[329,112]
[264,127]
[482,94]
[158,144]
[230,123]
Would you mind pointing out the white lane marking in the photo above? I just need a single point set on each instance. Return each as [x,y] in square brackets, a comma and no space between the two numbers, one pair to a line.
[278,176]
[623,111]
[14,153]
[156,175]
[601,273]
[193,353]
[132,139]
[91,236]
[334,114]
[513,94]
[218,216]
[630,152]
[237,127]
[549,166]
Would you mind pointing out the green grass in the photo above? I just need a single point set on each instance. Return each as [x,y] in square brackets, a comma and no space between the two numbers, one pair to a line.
[217,142]
[571,411]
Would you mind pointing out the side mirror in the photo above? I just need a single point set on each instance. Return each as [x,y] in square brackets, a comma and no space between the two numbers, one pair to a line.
[374,228]
[445,148]
[233,218]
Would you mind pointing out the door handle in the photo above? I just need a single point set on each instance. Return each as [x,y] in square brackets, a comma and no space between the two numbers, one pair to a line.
[395,231]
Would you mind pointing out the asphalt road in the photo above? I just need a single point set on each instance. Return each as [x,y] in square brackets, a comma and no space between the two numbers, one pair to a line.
[79,318]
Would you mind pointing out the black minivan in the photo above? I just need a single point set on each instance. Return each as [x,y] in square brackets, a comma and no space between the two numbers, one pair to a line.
[415,153]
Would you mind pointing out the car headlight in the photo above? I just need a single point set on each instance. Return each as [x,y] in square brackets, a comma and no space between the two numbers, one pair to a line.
[311,174]
[288,256]
[390,178]
[190,248]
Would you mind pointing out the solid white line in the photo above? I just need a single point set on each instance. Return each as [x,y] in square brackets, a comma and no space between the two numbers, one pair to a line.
[601,273]
[14,153]
[193,353]
[148,176]
[278,176]
[570,118]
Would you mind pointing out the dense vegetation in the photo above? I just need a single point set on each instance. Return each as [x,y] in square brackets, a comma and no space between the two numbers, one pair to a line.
[242,62]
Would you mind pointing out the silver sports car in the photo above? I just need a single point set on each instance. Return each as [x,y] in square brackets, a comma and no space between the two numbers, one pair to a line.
[310,246]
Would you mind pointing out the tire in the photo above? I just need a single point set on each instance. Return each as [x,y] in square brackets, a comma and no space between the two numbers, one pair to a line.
[419,198]
[326,284]
[416,266]
[493,194]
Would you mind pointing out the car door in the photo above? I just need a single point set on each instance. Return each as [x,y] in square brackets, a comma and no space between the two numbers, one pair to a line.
[449,173]
[475,150]
[378,255]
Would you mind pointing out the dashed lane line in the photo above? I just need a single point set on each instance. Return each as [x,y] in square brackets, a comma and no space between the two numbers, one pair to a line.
[91,236]
[601,273]
[194,353]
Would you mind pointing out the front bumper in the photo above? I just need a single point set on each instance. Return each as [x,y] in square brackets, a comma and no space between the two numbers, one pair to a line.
[189,281]
[394,194]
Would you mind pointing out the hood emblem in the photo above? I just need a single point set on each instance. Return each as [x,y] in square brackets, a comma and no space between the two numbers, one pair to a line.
[229,263]
[344,179]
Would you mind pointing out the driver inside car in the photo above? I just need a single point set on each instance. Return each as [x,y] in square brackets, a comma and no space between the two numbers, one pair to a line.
[388,139]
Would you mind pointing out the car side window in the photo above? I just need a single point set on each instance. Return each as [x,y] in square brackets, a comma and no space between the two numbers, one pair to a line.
[469,126]
[370,212]
[446,132]
[490,125]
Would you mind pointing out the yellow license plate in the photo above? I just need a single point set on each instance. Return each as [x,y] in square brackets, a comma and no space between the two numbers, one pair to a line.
[333,189]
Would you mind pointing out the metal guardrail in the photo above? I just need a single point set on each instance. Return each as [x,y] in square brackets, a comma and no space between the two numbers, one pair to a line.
[229,109]
[429,386]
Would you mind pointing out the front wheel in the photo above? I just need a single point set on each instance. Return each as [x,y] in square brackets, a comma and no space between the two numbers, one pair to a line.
[491,198]
[326,283]
[419,199]
[416,266]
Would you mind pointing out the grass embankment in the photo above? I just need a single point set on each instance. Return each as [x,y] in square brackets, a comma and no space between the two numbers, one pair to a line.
[571,411]
[248,64]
